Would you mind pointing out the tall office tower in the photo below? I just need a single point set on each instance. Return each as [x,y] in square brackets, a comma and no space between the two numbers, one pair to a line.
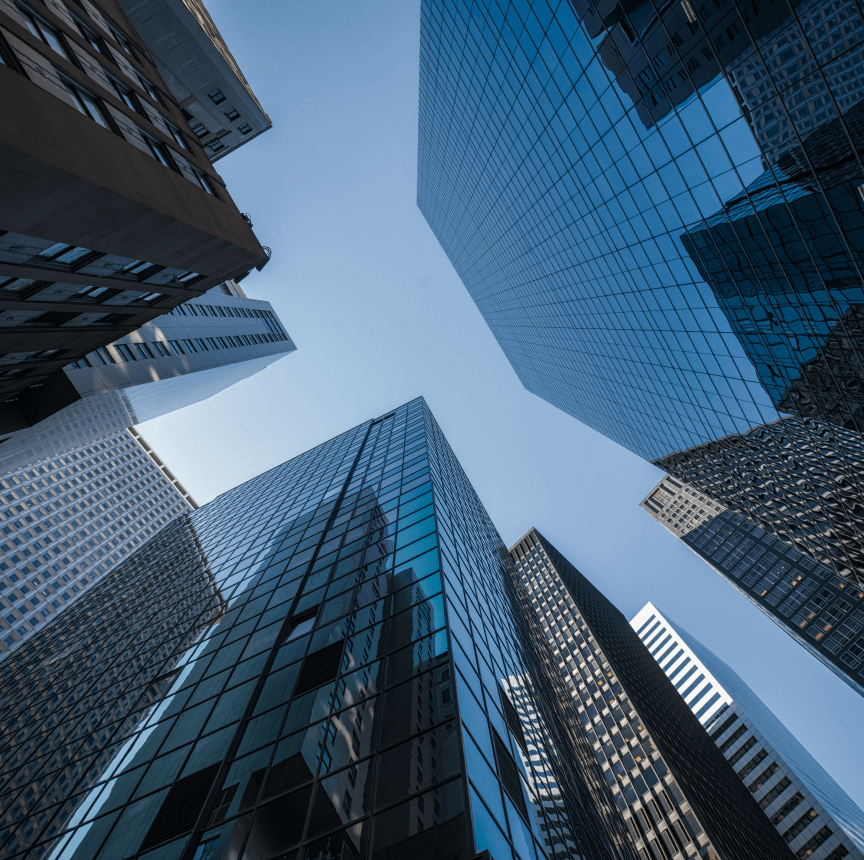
[656,208]
[677,794]
[195,351]
[105,188]
[69,519]
[319,660]
[200,72]
[810,811]
[820,610]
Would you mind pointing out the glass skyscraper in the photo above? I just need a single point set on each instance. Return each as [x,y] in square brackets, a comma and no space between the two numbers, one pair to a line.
[331,660]
[676,794]
[657,209]
[820,610]
[810,811]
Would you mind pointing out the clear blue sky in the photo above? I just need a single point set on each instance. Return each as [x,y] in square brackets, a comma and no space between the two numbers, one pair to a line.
[380,317]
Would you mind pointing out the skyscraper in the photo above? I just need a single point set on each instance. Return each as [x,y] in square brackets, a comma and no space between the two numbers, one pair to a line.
[200,71]
[67,520]
[820,610]
[112,211]
[675,792]
[331,657]
[810,811]
[195,351]
[656,211]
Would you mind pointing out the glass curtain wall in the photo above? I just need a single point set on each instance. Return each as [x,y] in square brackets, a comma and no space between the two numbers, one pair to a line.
[349,699]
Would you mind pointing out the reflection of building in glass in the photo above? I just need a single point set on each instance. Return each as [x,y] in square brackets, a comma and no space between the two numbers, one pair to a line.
[666,251]
[69,519]
[810,811]
[821,611]
[344,691]
[666,776]
[195,351]
[797,479]
[547,804]
[77,688]
[661,55]
[781,269]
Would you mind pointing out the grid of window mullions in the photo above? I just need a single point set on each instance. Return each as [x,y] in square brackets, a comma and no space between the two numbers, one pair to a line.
[315,522]
[113,644]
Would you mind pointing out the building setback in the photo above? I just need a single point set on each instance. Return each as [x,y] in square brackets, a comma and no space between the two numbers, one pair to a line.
[820,610]
[324,659]
[200,72]
[810,811]
[656,210]
[67,520]
[195,351]
[112,212]
[677,795]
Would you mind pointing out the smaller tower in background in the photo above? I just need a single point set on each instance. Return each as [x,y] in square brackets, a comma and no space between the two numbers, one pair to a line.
[820,610]
[810,811]
[67,520]
[662,769]
[187,355]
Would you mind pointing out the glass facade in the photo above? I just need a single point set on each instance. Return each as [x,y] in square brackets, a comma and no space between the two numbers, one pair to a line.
[330,658]
[69,519]
[657,209]
[677,796]
[810,811]
[820,610]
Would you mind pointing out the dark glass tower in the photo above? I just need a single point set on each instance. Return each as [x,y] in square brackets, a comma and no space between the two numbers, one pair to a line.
[674,789]
[657,208]
[332,657]
[820,610]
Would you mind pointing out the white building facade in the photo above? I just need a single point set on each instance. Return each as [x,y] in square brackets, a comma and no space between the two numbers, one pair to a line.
[67,520]
[811,812]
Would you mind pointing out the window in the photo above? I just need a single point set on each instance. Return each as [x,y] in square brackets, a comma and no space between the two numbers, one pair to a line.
[62,253]
[128,97]
[93,38]
[124,43]
[187,278]
[16,285]
[245,128]
[204,182]
[301,627]
[143,351]
[86,103]
[177,135]
[149,88]
[216,96]
[124,352]
[91,292]
[44,32]
[7,56]
[136,267]
[200,131]
[159,151]
[232,114]
[217,145]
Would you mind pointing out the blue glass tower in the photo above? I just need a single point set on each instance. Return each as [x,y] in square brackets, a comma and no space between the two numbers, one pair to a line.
[331,660]
[656,207]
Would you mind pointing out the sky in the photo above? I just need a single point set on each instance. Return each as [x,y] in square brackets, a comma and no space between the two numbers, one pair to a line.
[380,317]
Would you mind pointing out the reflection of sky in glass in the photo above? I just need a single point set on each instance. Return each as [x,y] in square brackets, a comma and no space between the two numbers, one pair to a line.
[562,214]
[382,544]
